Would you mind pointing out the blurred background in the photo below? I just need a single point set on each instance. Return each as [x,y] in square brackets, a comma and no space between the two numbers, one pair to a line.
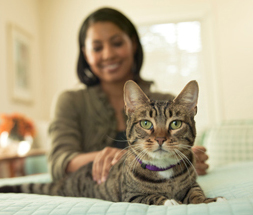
[206,40]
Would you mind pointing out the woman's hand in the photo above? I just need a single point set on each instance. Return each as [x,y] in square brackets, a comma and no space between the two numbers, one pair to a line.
[200,157]
[103,161]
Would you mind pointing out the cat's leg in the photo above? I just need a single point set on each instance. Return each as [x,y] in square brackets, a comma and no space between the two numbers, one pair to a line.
[153,199]
[196,195]
[217,199]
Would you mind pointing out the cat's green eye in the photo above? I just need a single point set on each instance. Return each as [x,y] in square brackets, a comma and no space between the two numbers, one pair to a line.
[176,124]
[146,124]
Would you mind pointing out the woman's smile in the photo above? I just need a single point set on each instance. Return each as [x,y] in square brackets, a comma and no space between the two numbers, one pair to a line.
[111,67]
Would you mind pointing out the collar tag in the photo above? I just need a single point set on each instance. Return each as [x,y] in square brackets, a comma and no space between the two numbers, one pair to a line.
[143,165]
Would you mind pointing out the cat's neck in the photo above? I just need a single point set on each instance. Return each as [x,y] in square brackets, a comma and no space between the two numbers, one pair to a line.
[136,166]
[153,167]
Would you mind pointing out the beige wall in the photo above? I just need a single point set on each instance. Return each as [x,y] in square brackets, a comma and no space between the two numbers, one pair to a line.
[24,14]
[234,56]
[54,25]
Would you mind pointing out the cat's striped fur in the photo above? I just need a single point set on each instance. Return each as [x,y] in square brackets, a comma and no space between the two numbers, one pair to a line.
[160,133]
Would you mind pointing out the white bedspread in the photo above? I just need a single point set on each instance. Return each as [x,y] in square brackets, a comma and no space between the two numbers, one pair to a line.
[234,182]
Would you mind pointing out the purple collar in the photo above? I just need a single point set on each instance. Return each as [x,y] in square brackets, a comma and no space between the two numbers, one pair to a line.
[155,168]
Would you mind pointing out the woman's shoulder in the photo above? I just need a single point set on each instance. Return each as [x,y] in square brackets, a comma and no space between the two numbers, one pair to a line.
[80,96]
[73,92]
[72,98]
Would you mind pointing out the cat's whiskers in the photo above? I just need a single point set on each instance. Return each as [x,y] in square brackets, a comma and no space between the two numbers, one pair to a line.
[182,155]
[182,158]
[133,164]
[130,147]
[123,140]
[130,153]
[197,149]
[126,148]
[184,146]
[189,148]
[200,150]
[139,156]
[187,160]
[178,158]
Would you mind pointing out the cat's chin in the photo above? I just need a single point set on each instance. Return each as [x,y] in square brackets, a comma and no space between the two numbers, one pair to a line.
[161,154]
[161,151]
[161,159]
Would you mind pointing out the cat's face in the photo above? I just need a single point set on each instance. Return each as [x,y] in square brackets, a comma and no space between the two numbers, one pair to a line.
[161,129]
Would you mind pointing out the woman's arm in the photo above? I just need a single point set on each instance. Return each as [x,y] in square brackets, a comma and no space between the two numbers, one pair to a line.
[66,154]
[65,133]
[102,162]
[200,158]
[80,160]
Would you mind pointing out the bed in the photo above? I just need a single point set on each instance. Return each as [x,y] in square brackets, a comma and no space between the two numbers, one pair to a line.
[232,178]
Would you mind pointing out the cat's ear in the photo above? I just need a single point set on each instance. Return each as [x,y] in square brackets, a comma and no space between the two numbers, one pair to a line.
[189,96]
[133,96]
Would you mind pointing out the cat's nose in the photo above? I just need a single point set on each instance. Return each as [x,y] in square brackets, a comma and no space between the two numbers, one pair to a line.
[160,140]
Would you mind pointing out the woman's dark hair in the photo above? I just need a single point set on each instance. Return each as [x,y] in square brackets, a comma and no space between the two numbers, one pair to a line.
[84,72]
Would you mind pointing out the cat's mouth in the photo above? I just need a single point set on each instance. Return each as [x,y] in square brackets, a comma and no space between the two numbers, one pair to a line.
[160,150]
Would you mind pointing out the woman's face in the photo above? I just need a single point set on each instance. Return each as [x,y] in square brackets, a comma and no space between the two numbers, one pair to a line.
[109,51]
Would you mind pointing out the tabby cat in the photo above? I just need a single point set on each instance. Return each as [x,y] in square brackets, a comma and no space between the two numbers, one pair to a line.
[157,168]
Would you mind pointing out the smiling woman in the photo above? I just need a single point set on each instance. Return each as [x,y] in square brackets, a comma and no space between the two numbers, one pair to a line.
[89,124]
[91,36]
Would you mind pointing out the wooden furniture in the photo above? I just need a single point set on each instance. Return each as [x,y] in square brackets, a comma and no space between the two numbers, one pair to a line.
[13,166]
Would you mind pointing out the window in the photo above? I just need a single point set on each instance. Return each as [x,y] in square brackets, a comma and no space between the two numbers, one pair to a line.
[173,57]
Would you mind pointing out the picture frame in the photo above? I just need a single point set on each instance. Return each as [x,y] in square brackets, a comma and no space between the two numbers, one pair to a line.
[19,52]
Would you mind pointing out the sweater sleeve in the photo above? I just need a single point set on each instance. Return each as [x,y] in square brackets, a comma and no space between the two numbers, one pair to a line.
[65,134]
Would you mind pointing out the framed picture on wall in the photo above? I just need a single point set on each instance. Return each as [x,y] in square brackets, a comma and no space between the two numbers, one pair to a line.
[19,52]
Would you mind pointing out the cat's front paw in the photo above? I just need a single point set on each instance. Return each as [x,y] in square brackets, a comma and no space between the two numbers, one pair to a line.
[221,199]
[217,199]
[171,202]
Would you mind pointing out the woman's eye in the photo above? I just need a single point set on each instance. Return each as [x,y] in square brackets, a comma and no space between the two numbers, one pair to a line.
[176,124]
[118,44]
[97,49]
[146,124]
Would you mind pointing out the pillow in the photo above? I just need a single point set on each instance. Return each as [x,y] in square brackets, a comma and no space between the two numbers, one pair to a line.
[229,142]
